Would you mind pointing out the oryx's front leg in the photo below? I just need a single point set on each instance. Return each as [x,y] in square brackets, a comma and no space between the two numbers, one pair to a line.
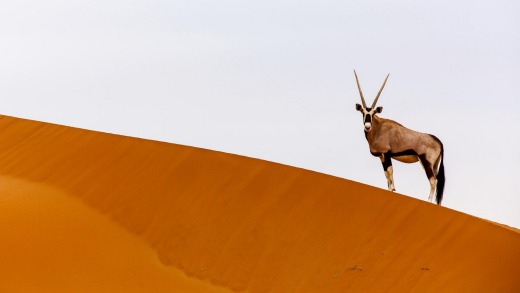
[389,171]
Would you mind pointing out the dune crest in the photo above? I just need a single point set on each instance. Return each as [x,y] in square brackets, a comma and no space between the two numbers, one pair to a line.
[232,223]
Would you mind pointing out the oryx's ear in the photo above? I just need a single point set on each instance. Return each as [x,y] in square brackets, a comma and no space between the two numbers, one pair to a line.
[358,107]
[379,109]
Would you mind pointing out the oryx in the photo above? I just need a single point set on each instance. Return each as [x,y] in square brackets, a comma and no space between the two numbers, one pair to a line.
[388,139]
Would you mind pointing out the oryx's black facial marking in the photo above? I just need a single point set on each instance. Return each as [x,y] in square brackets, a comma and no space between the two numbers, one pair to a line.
[368,114]
[368,118]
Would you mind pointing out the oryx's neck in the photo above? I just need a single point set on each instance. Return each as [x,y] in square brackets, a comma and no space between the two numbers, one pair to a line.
[376,121]
[376,125]
[379,137]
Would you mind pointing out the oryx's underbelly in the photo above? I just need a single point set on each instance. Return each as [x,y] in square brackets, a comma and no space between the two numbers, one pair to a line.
[407,159]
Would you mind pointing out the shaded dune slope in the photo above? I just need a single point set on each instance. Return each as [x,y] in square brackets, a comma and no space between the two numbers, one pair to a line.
[231,223]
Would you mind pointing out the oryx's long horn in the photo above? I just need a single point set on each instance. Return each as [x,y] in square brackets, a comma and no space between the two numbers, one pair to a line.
[375,101]
[360,92]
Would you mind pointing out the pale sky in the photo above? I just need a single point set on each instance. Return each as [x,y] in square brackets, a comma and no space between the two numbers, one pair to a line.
[274,80]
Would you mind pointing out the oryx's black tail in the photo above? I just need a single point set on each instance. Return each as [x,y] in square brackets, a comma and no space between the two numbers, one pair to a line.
[441,179]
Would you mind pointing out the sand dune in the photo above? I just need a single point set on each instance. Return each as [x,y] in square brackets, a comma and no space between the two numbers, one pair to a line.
[83,211]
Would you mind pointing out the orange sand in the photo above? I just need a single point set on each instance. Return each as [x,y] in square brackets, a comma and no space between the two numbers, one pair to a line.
[83,211]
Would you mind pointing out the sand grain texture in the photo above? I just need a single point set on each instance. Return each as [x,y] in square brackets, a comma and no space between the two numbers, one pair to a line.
[84,211]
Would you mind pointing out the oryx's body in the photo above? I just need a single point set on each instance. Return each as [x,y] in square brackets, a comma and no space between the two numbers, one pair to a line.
[388,139]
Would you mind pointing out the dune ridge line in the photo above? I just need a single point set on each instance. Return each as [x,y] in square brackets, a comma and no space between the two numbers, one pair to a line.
[243,224]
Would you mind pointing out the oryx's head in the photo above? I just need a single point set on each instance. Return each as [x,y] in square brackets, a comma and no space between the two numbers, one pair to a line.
[369,112]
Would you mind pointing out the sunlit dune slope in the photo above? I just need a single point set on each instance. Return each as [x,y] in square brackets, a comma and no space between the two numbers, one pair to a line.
[94,212]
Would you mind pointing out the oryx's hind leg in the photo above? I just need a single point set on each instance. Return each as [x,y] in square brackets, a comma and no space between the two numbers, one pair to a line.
[433,184]
[431,174]
[389,171]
